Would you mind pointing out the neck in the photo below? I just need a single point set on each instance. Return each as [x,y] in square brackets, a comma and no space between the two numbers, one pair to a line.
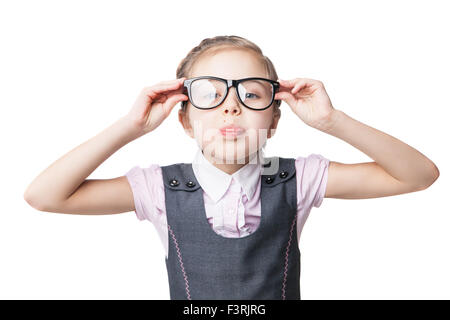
[228,168]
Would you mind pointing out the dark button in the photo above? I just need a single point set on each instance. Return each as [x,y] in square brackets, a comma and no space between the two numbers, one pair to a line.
[190,184]
[174,183]
[267,165]
[269,180]
[283,174]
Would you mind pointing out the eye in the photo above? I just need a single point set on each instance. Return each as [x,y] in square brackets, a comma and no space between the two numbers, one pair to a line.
[248,93]
[211,95]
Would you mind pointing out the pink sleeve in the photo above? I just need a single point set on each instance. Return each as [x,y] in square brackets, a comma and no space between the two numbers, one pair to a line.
[148,192]
[312,176]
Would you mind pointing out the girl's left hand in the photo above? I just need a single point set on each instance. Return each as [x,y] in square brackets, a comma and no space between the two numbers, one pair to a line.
[309,101]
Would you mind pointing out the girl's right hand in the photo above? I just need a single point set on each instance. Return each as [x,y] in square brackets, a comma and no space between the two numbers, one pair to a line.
[154,104]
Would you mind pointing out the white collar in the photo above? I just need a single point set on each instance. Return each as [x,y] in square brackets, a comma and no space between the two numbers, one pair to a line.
[215,182]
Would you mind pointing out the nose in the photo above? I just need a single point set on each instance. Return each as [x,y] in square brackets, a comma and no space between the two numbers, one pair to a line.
[231,104]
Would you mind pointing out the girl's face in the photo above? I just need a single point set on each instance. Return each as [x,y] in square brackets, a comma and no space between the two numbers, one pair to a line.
[204,125]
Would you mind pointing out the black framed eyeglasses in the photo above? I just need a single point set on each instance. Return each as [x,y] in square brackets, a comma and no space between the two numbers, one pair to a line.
[208,92]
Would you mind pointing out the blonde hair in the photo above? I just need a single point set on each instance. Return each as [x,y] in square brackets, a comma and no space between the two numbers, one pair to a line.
[217,43]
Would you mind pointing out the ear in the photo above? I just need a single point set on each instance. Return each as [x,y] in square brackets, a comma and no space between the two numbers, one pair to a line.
[183,118]
[275,119]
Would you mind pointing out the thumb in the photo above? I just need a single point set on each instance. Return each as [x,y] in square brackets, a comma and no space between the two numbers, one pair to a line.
[286,96]
[173,100]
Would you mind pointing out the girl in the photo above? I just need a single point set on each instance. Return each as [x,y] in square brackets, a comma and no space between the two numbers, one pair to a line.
[230,221]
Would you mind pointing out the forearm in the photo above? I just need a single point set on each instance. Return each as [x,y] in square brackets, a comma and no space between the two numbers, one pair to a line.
[400,160]
[64,176]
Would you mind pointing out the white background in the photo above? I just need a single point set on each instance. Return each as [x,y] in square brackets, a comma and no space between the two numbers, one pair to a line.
[69,69]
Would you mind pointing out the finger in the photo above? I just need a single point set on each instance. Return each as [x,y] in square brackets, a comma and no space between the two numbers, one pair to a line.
[299,85]
[285,96]
[163,88]
[170,83]
[176,98]
[172,101]
[177,82]
[287,83]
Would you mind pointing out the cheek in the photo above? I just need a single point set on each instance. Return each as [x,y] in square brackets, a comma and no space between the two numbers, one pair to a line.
[262,128]
[204,128]
[261,123]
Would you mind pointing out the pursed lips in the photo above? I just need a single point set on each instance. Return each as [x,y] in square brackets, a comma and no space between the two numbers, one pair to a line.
[232,130]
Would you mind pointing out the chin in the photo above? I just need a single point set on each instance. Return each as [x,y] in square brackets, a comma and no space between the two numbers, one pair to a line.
[230,151]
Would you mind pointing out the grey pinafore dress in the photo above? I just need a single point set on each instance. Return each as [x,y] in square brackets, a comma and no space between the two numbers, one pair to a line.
[202,264]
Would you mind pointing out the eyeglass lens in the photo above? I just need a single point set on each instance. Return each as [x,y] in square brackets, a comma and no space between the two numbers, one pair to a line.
[209,93]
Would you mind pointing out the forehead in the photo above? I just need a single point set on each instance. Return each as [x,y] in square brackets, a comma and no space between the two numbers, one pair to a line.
[229,63]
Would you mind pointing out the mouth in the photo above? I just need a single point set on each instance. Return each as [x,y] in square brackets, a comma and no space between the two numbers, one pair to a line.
[232,131]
